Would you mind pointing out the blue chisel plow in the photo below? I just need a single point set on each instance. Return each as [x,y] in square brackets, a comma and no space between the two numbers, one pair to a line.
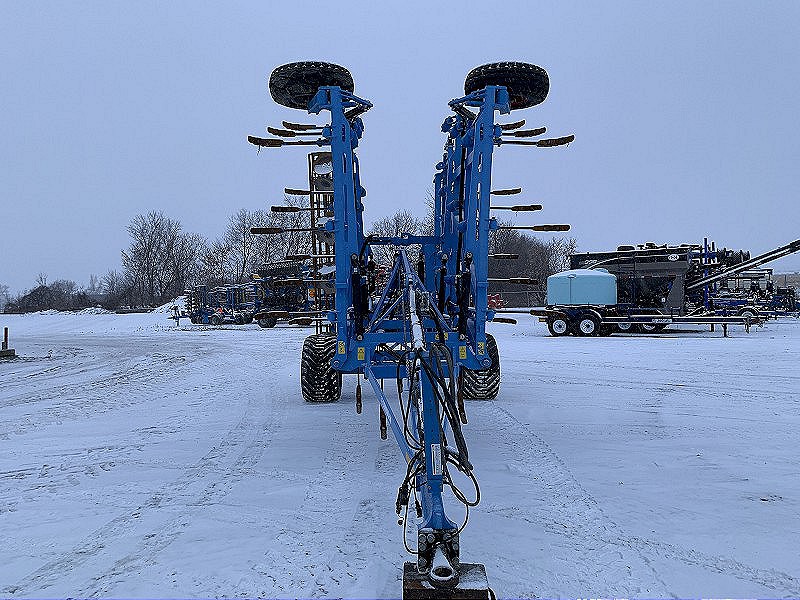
[422,326]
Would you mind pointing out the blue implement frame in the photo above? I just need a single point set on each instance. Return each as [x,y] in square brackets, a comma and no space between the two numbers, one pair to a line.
[428,320]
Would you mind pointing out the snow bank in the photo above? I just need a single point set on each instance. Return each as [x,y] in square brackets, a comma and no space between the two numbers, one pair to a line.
[89,322]
[180,302]
[94,310]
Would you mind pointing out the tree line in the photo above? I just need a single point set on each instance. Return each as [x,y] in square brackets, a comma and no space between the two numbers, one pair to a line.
[162,260]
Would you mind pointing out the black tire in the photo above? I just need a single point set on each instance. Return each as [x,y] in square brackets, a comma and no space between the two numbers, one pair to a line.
[650,327]
[587,325]
[558,326]
[294,85]
[216,320]
[239,320]
[748,312]
[483,384]
[267,322]
[319,381]
[527,84]
[193,320]
[626,327]
[605,330]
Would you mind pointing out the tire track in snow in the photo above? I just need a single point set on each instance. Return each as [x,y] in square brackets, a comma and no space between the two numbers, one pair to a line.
[366,541]
[595,540]
[295,560]
[86,399]
[225,463]
[561,506]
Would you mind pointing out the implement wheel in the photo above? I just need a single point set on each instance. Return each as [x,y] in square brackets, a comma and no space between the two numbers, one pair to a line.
[558,326]
[318,380]
[749,312]
[527,84]
[267,322]
[587,325]
[483,384]
[295,84]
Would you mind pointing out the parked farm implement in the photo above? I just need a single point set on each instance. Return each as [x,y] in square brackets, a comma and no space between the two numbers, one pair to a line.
[277,291]
[645,288]
[422,325]
[222,304]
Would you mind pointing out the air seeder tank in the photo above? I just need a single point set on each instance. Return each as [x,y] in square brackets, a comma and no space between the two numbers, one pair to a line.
[582,286]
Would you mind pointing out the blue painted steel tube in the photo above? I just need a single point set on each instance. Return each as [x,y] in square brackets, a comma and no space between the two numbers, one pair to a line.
[429,484]
[390,416]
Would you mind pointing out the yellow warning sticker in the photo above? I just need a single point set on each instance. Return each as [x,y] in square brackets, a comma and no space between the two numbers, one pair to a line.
[361,353]
[462,352]
[445,336]
[481,347]
[341,348]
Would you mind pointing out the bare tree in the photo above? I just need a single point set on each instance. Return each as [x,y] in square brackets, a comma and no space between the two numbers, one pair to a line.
[393,226]
[161,260]
[94,286]
[213,264]
[5,296]
[241,244]
[62,294]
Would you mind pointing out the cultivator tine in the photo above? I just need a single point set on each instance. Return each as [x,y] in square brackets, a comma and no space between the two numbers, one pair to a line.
[550,143]
[504,256]
[547,143]
[517,280]
[300,126]
[287,209]
[276,143]
[281,132]
[538,227]
[529,132]
[266,230]
[383,424]
[512,126]
[507,192]
[264,142]
[276,230]
[296,192]
[519,207]
[358,396]
[507,320]
[354,112]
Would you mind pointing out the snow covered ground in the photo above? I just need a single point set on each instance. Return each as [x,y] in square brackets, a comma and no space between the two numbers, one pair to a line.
[138,459]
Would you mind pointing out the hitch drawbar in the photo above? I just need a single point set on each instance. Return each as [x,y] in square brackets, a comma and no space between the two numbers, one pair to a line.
[472,584]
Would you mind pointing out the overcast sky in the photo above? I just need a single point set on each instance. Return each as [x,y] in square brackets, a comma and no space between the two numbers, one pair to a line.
[685,116]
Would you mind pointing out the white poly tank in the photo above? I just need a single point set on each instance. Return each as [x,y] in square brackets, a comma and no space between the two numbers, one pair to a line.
[582,286]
